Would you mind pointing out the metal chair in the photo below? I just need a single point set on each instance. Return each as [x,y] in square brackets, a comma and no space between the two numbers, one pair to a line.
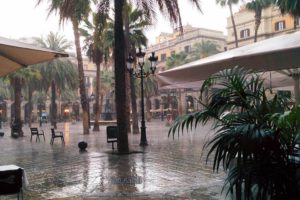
[56,134]
[35,131]
[11,182]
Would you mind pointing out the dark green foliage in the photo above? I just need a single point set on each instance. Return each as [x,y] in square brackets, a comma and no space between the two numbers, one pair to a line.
[256,136]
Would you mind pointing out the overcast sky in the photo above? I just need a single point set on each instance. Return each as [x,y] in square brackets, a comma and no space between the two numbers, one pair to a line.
[21,18]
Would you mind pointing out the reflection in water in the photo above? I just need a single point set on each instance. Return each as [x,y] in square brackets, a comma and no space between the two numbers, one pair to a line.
[67,133]
[124,179]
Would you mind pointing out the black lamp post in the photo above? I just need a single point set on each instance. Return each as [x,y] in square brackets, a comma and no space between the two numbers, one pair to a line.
[140,73]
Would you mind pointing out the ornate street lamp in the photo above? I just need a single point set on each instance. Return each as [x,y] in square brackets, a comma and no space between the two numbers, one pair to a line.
[139,72]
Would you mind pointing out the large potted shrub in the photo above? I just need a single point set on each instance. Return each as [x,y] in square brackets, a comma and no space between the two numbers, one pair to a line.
[256,138]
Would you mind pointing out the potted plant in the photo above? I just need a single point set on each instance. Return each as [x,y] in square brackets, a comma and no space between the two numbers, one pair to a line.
[256,138]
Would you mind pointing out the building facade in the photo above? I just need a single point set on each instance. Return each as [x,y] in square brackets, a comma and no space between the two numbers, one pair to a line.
[173,43]
[273,23]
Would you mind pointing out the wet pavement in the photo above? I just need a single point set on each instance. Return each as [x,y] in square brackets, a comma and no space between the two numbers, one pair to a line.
[165,169]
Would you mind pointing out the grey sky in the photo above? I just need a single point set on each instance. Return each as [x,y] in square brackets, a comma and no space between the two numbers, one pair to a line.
[20,18]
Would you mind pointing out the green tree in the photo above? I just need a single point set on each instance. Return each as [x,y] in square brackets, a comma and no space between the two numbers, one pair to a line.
[255,139]
[17,79]
[75,11]
[288,6]
[96,50]
[59,73]
[172,8]
[31,85]
[135,23]
[176,59]
[257,6]
[229,3]
[205,48]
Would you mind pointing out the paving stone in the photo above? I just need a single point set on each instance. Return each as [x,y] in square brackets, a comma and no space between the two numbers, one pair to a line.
[167,169]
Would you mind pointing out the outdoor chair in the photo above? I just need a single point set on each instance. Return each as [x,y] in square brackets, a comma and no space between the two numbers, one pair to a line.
[11,182]
[37,133]
[112,135]
[56,134]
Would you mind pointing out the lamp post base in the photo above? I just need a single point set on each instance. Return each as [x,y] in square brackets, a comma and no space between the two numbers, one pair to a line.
[144,143]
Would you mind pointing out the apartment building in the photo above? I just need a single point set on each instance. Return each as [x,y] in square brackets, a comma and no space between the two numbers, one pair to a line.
[172,43]
[273,23]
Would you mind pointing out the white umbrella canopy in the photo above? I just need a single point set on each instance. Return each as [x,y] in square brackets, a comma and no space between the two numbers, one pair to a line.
[14,55]
[282,52]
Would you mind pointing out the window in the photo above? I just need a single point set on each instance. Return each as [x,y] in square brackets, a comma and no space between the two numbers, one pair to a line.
[163,57]
[279,26]
[245,33]
[187,49]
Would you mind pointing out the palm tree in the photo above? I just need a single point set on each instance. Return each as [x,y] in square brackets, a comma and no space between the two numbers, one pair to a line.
[75,11]
[255,139]
[257,6]
[95,50]
[291,7]
[172,8]
[176,59]
[205,48]
[229,3]
[58,73]
[120,83]
[32,84]
[17,79]
[135,23]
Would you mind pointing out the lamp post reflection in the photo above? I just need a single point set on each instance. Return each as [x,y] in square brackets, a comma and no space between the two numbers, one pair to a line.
[90,99]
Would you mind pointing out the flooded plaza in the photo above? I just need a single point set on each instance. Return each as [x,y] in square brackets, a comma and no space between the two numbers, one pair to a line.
[165,169]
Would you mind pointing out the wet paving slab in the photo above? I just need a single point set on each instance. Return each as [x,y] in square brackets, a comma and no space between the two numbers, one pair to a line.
[166,169]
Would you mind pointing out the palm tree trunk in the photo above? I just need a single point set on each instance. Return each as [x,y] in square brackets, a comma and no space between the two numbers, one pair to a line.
[17,124]
[135,123]
[30,105]
[257,23]
[120,79]
[296,89]
[233,25]
[84,101]
[97,107]
[180,110]
[128,81]
[53,105]
[135,119]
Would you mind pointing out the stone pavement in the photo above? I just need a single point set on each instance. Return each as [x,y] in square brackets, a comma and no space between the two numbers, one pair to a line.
[166,169]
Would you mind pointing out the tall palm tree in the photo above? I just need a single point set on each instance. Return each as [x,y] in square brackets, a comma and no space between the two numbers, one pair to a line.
[229,3]
[172,9]
[135,23]
[95,50]
[32,84]
[75,11]
[205,48]
[120,84]
[59,73]
[176,59]
[255,137]
[17,79]
[257,6]
[288,6]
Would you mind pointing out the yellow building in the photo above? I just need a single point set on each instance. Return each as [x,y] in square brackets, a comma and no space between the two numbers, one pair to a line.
[273,23]
[171,43]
